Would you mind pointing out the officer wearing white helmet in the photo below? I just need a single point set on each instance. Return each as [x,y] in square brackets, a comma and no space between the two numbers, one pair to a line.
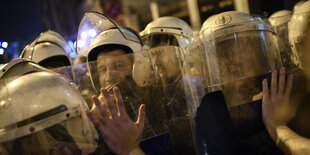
[167,31]
[114,60]
[288,124]
[287,117]
[163,32]
[109,47]
[100,38]
[36,117]
[280,20]
[49,50]
[161,35]
[239,50]
[298,28]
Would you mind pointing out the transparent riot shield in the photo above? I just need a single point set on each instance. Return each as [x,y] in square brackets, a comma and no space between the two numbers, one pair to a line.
[81,80]
[152,77]
[195,86]
[41,112]
[232,61]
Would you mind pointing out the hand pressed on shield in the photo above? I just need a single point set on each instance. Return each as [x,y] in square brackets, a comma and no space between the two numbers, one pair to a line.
[118,131]
[277,112]
[276,109]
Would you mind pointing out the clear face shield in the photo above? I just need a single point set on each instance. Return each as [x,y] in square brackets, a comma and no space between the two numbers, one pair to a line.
[194,63]
[238,58]
[152,77]
[92,25]
[160,39]
[108,72]
[66,72]
[30,126]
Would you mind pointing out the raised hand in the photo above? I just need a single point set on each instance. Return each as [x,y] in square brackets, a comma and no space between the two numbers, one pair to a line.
[276,109]
[119,132]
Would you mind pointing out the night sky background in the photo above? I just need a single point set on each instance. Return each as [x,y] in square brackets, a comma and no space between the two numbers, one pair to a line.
[20,20]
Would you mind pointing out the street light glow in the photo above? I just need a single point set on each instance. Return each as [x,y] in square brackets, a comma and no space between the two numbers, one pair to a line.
[4,44]
[1,51]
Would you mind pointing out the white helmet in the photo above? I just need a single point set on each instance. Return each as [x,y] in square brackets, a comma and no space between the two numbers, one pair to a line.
[169,30]
[280,17]
[18,68]
[49,46]
[98,32]
[41,111]
[297,28]
[234,19]
[298,4]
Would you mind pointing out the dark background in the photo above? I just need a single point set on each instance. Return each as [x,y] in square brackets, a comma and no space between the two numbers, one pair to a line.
[23,21]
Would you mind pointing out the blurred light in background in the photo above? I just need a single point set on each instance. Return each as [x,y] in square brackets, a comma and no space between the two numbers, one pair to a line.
[4,44]
[1,51]
[72,46]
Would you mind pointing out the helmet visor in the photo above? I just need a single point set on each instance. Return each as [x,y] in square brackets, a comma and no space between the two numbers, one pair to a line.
[156,40]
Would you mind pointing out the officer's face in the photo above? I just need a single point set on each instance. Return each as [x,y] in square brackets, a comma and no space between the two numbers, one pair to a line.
[237,63]
[112,67]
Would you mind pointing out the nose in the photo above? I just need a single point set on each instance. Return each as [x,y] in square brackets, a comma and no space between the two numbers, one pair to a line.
[109,74]
[113,75]
[158,61]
